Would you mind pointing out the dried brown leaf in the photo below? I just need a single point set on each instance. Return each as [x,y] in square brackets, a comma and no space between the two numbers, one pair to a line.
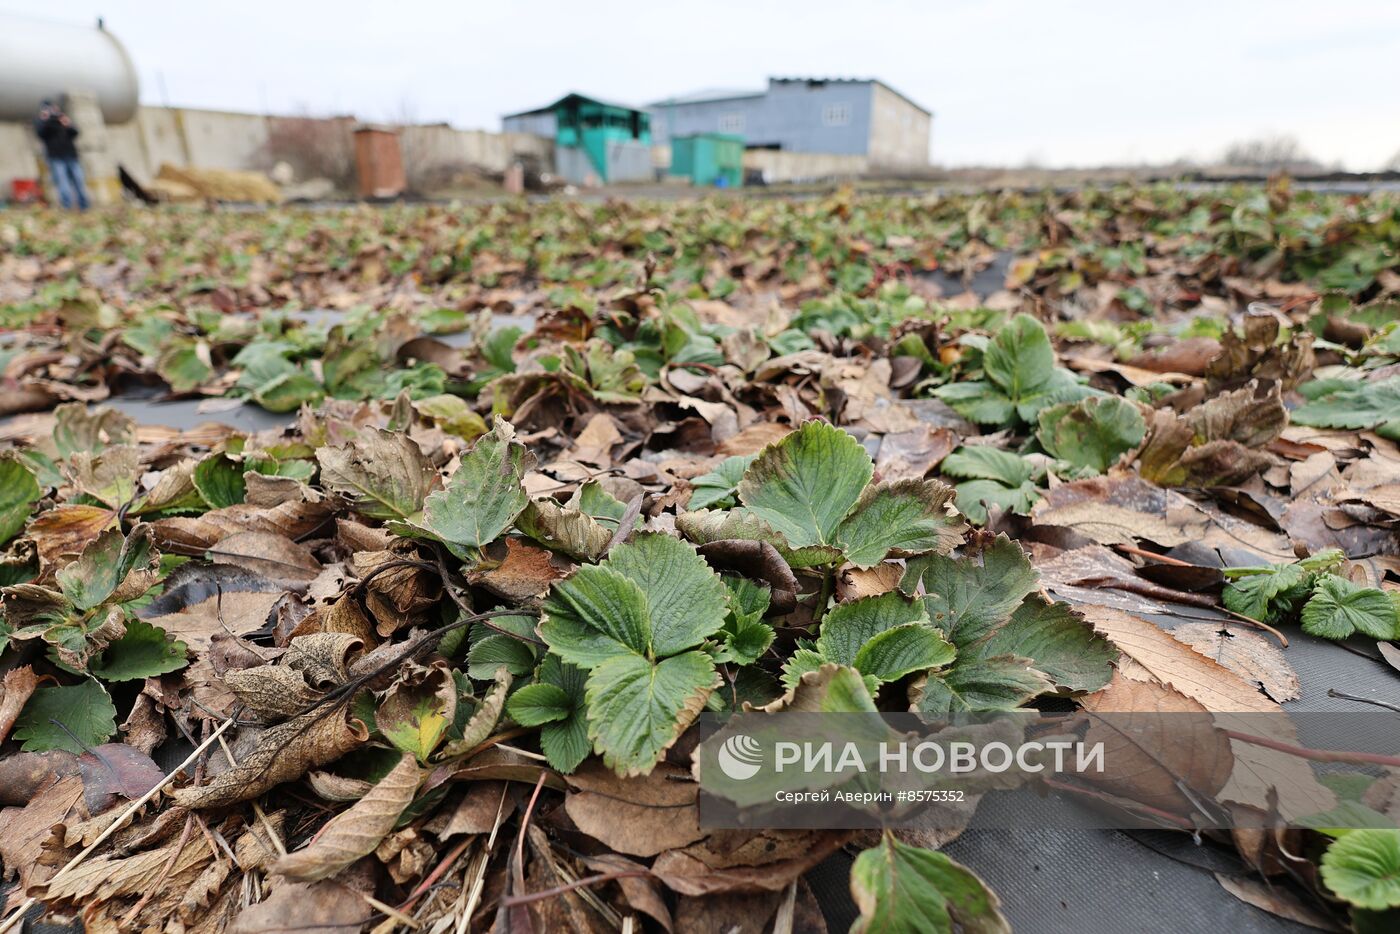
[525,572]
[18,685]
[284,752]
[639,816]
[1157,739]
[1176,664]
[272,692]
[1250,655]
[356,831]
[267,554]
[332,906]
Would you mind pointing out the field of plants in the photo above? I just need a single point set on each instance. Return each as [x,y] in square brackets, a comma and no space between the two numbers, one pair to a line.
[547,481]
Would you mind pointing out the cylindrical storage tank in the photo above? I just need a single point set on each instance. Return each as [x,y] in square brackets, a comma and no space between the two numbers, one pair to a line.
[40,60]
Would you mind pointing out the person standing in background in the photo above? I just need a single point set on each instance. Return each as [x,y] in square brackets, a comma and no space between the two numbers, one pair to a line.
[57,132]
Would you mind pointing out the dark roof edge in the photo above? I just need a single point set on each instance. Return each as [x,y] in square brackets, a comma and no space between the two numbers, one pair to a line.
[555,103]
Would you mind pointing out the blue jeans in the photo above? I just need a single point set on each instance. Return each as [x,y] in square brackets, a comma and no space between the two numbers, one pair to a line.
[68,179]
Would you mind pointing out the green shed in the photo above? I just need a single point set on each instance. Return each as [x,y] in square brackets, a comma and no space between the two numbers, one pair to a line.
[593,139]
[709,159]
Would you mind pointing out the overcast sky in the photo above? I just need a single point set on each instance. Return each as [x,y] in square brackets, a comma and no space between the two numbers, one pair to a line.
[1060,82]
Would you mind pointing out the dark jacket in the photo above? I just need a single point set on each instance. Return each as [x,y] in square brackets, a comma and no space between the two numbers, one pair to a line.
[57,137]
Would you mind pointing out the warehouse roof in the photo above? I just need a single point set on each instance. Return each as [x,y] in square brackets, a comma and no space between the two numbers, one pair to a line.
[725,94]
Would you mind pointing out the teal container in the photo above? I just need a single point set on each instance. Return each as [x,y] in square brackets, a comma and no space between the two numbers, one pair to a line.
[709,159]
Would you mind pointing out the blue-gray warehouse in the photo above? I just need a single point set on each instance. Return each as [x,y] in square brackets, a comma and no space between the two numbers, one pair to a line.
[844,116]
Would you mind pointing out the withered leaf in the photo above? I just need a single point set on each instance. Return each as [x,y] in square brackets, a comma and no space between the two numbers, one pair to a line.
[356,831]
[525,572]
[418,708]
[483,719]
[332,906]
[271,692]
[18,685]
[267,554]
[571,531]
[1248,654]
[284,752]
[325,658]
[383,474]
[1157,739]
[638,816]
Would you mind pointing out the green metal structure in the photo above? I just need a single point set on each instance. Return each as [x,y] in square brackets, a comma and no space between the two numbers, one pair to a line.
[709,159]
[612,141]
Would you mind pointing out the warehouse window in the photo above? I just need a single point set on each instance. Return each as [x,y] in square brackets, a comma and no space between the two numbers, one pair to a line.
[731,123]
[836,114]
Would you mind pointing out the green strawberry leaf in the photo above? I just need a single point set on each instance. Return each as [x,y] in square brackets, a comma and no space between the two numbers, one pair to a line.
[484,496]
[637,708]
[686,600]
[1003,682]
[902,889]
[1019,358]
[894,653]
[974,496]
[1056,640]
[806,483]
[595,615]
[848,626]
[453,415]
[981,462]
[185,365]
[19,491]
[884,637]
[84,709]
[604,508]
[1268,594]
[219,480]
[968,598]
[1363,868]
[538,704]
[1092,433]
[490,649]
[980,401]
[1348,405]
[1339,608]
[288,392]
[719,489]
[908,517]
[746,635]
[144,651]
[113,569]
[565,742]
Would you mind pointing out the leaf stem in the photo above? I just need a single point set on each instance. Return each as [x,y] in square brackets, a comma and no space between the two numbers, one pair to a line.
[824,595]
[1316,755]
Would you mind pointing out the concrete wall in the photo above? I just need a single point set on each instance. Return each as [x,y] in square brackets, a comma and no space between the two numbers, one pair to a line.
[777,166]
[437,147]
[899,132]
[216,139]
[17,154]
[224,140]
